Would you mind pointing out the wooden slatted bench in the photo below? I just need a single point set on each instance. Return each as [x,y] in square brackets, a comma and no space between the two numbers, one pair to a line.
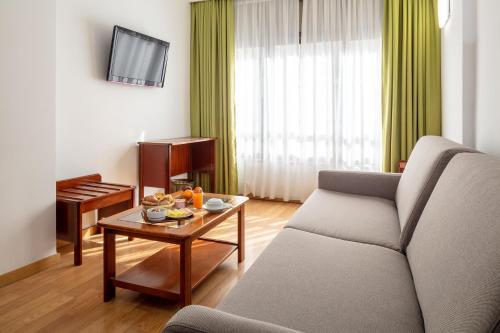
[77,196]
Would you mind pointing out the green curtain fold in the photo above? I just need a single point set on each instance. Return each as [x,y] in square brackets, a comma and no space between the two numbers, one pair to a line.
[411,74]
[212,86]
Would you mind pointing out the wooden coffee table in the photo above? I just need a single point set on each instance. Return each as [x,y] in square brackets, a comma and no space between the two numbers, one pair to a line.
[173,272]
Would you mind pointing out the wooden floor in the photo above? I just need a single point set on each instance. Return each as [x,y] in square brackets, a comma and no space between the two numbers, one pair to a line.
[66,298]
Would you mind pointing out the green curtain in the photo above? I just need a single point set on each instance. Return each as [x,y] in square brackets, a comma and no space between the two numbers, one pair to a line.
[411,74]
[212,86]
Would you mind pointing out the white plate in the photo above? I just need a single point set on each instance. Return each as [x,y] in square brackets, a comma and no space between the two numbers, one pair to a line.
[218,210]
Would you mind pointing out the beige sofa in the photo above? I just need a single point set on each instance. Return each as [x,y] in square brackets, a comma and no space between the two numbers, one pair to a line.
[378,253]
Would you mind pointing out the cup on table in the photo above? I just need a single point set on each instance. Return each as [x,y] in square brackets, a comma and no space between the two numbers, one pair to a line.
[180,203]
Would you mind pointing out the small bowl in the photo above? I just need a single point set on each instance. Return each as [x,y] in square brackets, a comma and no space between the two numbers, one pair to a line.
[180,203]
[215,204]
[156,213]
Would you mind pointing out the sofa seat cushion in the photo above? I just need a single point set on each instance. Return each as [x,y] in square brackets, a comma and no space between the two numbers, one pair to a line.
[314,283]
[352,217]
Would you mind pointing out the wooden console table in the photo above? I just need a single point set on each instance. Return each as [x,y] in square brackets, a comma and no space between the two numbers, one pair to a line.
[160,160]
[77,196]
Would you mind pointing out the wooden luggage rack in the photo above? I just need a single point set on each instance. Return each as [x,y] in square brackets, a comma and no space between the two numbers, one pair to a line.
[77,196]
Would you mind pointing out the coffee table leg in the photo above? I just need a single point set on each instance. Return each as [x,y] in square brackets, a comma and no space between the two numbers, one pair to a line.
[130,204]
[241,234]
[185,273]
[78,247]
[109,258]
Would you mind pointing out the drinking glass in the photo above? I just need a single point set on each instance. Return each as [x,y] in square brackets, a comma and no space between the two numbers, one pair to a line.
[198,200]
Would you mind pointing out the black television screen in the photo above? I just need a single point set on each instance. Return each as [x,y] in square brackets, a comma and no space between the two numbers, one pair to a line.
[137,59]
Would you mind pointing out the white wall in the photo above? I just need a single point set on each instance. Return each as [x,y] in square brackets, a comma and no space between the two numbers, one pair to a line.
[459,72]
[59,118]
[451,70]
[27,132]
[469,70]
[471,74]
[98,122]
[488,76]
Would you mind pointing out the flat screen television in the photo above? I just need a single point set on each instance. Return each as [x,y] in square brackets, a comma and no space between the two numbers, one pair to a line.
[137,59]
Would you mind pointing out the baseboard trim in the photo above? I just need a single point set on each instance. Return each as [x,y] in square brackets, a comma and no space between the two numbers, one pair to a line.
[251,196]
[28,270]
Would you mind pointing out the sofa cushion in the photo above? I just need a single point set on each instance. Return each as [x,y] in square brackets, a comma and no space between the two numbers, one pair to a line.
[314,283]
[454,254]
[351,217]
[427,161]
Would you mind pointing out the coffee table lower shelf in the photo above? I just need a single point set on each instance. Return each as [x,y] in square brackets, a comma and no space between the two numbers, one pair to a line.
[159,274]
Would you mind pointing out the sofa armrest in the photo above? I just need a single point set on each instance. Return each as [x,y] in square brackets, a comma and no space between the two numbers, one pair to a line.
[200,319]
[376,184]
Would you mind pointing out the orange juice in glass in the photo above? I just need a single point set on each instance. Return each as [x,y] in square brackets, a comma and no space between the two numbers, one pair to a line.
[198,198]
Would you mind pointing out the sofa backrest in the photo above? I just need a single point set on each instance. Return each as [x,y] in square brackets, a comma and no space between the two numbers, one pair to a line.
[454,254]
[427,161]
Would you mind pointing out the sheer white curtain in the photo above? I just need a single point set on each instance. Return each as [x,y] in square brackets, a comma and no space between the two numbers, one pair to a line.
[267,95]
[309,105]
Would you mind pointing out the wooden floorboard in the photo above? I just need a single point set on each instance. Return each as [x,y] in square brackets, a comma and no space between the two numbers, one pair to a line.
[66,298]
